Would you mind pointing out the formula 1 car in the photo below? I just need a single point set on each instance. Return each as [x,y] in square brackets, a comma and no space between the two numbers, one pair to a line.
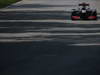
[84,13]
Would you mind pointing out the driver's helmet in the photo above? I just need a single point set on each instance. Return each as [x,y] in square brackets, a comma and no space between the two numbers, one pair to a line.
[83,8]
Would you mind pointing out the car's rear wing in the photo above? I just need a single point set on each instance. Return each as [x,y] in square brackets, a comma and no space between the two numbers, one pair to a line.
[84,4]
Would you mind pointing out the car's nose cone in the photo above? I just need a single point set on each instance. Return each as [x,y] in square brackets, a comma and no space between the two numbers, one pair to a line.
[83,11]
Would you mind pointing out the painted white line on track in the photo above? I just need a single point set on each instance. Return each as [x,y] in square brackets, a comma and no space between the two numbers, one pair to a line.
[63,21]
[69,29]
[23,40]
[53,20]
[3,27]
[55,29]
[39,9]
[34,34]
[86,44]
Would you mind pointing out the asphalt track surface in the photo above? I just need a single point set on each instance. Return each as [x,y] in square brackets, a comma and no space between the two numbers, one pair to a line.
[37,37]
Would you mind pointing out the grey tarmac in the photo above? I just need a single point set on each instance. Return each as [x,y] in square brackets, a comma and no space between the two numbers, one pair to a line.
[37,37]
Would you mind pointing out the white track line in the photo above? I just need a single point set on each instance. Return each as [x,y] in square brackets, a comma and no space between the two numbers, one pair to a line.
[34,34]
[69,29]
[39,9]
[23,40]
[53,20]
[55,29]
[86,44]
[63,21]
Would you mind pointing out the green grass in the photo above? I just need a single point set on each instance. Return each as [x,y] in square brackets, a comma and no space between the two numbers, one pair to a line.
[4,3]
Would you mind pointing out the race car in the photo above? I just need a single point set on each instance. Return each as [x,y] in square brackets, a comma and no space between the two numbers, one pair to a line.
[84,12]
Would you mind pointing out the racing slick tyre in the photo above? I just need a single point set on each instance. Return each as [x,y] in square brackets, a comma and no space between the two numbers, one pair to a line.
[74,16]
[95,14]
